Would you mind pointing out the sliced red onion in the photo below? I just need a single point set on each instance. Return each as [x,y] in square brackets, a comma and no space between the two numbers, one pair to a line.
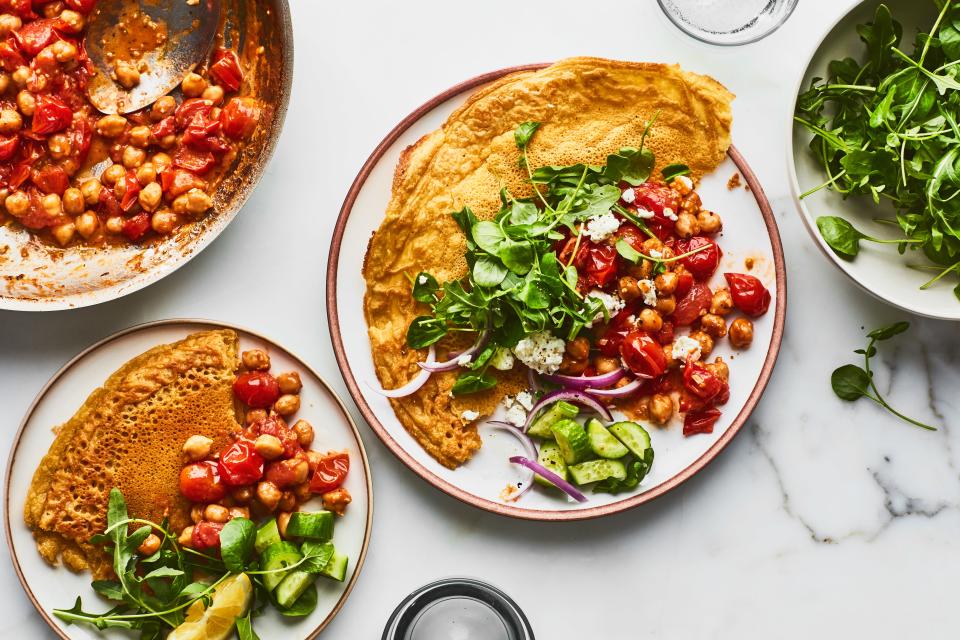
[414,385]
[557,481]
[569,395]
[533,380]
[586,382]
[528,447]
[619,392]
[454,361]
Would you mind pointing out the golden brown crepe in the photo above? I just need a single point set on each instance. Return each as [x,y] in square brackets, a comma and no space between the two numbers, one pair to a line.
[589,108]
[129,434]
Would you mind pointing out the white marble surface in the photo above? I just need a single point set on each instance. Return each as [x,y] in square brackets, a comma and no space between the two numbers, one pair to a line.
[822,519]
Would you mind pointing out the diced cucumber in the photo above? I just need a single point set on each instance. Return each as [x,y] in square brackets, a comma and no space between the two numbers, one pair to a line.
[337,567]
[311,526]
[597,470]
[635,437]
[572,440]
[557,411]
[267,534]
[293,587]
[603,443]
[551,458]
[277,556]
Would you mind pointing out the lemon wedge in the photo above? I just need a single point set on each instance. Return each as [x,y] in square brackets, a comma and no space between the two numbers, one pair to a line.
[230,601]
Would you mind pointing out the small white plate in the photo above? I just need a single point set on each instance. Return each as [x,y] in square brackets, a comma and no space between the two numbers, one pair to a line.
[57,588]
[878,269]
[749,232]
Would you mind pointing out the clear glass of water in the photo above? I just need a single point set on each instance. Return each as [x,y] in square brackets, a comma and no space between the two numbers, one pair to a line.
[728,22]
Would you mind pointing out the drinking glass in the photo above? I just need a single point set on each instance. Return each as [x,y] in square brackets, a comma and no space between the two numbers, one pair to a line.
[728,22]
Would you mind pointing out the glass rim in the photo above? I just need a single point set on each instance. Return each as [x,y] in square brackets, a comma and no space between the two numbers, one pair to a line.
[689,29]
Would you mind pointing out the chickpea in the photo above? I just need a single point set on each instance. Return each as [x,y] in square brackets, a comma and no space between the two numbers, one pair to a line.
[255,415]
[741,333]
[120,188]
[63,233]
[10,121]
[161,161]
[5,81]
[579,348]
[691,204]
[268,446]
[27,103]
[242,495]
[337,500]
[304,431]
[268,494]
[111,126]
[628,288]
[571,367]
[73,20]
[720,369]
[706,342]
[313,460]
[650,320]
[197,447]
[666,282]
[661,408]
[687,225]
[8,23]
[163,222]
[604,364]
[288,502]
[91,191]
[652,244]
[682,185]
[52,204]
[722,302]
[127,74]
[255,359]
[303,492]
[87,223]
[146,173]
[17,203]
[666,305]
[216,513]
[133,157]
[213,93]
[20,76]
[239,512]
[114,224]
[73,202]
[282,521]
[197,201]
[642,271]
[52,9]
[713,325]
[150,545]
[59,146]
[709,221]
[196,512]
[289,382]
[193,85]
[186,537]
[162,108]
[149,198]
[287,404]
[64,51]
[140,136]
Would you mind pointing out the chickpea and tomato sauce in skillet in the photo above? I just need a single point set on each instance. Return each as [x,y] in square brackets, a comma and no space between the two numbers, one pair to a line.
[71,175]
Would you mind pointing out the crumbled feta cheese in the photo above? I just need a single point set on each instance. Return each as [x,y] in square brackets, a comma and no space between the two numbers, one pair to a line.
[684,348]
[628,195]
[656,254]
[646,214]
[669,214]
[470,415]
[649,292]
[464,360]
[611,302]
[685,181]
[516,415]
[422,279]
[502,359]
[525,399]
[603,226]
[540,351]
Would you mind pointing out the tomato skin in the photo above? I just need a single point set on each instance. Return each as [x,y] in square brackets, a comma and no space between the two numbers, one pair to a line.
[189,108]
[599,266]
[257,389]
[109,204]
[83,6]
[226,69]
[132,190]
[195,161]
[164,128]
[8,147]
[51,115]
[689,307]
[240,465]
[175,181]
[275,426]
[630,234]
[239,118]
[10,57]
[657,198]
[620,325]
[704,384]
[695,422]
[136,227]
[200,482]
[330,473]
[206,535]
[203,134]
[684,282]
[749,294]
[665,335]
[32,37]
[643,355]
[51,179]
[704,263]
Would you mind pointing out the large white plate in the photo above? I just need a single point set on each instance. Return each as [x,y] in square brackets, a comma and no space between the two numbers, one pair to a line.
[56,587]
[879,269]
[749,232]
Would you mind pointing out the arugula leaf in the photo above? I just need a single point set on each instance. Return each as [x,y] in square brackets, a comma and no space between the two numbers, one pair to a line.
[425,287]
[889,331]
[673,171]
[488,272]
[236,543]
[630,165]
[524,133]
[473,382]
[425,331]
[627,252]
[465,219]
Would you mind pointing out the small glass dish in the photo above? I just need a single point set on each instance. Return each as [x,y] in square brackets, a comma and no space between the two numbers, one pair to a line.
[728,22]
[458,609]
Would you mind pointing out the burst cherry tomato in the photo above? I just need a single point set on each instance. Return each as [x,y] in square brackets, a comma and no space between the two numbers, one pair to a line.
[131,190]
[192,160]
[51,115]
[257,389]
[206,535]
[175,181]
[239,117]
[164,128]
[51,179]
[620,325]
[704,384]
[684,282]
[34,36]
[749,294]
[689,307]
[704,262]
[226,69]
[204,135]
[8,147]
[657,198]
[695,422]
[331,472]
[643,355]
[599,266]
[200,482]
[191,107]
[240,464]
[630,234]
[136,227]
[10,57]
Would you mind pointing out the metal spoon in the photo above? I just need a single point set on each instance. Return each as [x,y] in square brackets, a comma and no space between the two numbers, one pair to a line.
[166,39]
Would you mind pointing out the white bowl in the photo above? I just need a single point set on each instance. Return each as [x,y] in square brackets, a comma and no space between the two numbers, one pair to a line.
[878,269]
